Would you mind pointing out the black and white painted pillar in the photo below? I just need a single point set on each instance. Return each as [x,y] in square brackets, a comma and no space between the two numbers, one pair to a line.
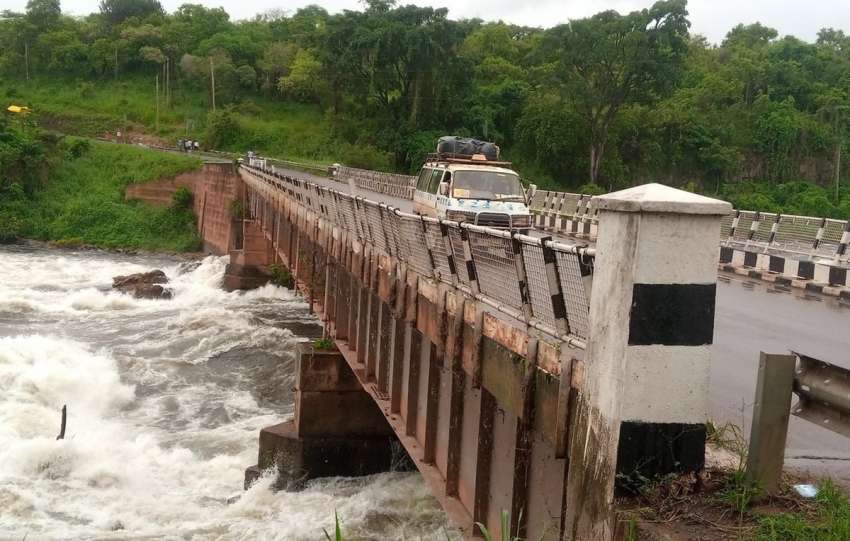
[652,322]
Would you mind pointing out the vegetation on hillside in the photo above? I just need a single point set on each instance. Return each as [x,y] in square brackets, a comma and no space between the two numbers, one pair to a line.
[611,100]
[71,191]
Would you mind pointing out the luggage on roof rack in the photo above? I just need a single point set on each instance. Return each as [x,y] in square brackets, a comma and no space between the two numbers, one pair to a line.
[465,146]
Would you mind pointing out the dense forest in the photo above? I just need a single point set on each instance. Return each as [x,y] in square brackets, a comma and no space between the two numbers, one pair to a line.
[601,103]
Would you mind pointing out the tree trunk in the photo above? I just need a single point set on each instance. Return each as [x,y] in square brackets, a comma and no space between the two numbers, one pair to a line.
[597,149]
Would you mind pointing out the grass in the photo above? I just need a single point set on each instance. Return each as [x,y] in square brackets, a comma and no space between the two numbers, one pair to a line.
[827,520]
[324,344]
[83,202]
[286,130]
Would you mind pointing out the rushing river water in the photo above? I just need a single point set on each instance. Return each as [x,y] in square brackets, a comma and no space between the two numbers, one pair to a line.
[165,401]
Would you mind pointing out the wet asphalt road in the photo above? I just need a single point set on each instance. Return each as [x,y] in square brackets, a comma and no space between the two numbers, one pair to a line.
[754,316]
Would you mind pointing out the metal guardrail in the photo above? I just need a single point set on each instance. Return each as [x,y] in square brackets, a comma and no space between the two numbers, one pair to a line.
[823,398]
[768,232]
[391,184]
[540,282]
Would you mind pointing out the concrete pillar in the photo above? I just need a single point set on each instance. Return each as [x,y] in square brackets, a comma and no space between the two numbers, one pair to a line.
[248,267]
[643,407]
[338,430]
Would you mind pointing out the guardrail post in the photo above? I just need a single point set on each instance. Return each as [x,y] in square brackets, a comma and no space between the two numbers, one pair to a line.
[770,420]
[556,293]
[470,263]
[735,221]
[842,245]
[522,277]
[642,409]
[818,236]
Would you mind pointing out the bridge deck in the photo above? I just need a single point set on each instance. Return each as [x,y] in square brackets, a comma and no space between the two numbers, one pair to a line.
[751,316]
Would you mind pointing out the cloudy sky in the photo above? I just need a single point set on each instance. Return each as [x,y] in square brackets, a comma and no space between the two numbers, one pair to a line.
[711,18]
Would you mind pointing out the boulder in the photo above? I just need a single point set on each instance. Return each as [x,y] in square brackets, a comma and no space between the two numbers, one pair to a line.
[143,285]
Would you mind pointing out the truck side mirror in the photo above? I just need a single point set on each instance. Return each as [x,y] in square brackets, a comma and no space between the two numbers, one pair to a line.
[444,188]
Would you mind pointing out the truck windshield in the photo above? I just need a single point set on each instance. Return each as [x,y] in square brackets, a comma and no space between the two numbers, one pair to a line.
[491,185]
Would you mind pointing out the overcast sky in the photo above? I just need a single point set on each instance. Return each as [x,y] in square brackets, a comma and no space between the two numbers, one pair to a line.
[711,18]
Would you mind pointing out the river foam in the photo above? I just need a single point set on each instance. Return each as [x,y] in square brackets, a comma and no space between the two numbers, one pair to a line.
[165,400]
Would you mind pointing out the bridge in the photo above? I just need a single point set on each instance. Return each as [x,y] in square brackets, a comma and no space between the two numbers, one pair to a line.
[521,374]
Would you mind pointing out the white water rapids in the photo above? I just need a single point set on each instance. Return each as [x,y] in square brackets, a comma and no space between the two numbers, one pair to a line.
[165,402]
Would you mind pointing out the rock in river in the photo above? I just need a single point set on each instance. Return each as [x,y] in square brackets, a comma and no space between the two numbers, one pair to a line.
[144,285]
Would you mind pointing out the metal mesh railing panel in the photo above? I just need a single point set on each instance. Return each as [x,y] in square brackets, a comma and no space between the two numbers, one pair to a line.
[392,225]
[832,232]
[538,283]
[766,222]
[496,268]
[538,199]
[726,225]
[412,243]
[745,222]
[457,249]
[439,250]
[575,295]
[376,229]
[797,233]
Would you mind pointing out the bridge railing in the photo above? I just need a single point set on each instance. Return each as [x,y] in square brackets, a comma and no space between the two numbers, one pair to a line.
[392,184]
[767,232]
[538,281]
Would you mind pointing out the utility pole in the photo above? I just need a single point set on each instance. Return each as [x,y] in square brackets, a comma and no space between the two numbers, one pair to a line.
[168,80]
[157,102]
[212,82]
[837,168]
[27,58]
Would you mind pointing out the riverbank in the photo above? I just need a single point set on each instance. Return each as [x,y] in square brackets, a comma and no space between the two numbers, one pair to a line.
[81,202]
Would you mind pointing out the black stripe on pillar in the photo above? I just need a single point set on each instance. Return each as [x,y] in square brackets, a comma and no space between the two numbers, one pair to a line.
[725,254]
[777,264]
[806,270]
[649,450]
[672,314]
[837,276]
[750,259]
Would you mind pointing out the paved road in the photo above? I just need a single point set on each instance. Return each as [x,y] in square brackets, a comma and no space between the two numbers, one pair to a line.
[753,316]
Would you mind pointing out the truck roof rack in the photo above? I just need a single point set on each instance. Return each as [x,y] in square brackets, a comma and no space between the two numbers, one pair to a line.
[467,159]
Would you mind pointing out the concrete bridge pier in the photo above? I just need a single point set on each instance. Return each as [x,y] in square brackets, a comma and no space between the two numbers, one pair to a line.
[337,430]
[249,263]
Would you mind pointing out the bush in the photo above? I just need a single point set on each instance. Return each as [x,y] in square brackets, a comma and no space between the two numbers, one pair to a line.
[237,209]
[223,130]
[182,198]
[281,276]
[591,189]
[10,227]
[76,148]
[365,157]
[324,344]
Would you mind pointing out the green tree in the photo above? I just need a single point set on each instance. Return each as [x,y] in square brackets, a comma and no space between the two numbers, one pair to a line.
[304,82]
[117,11]
[603,61]
[43,14]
